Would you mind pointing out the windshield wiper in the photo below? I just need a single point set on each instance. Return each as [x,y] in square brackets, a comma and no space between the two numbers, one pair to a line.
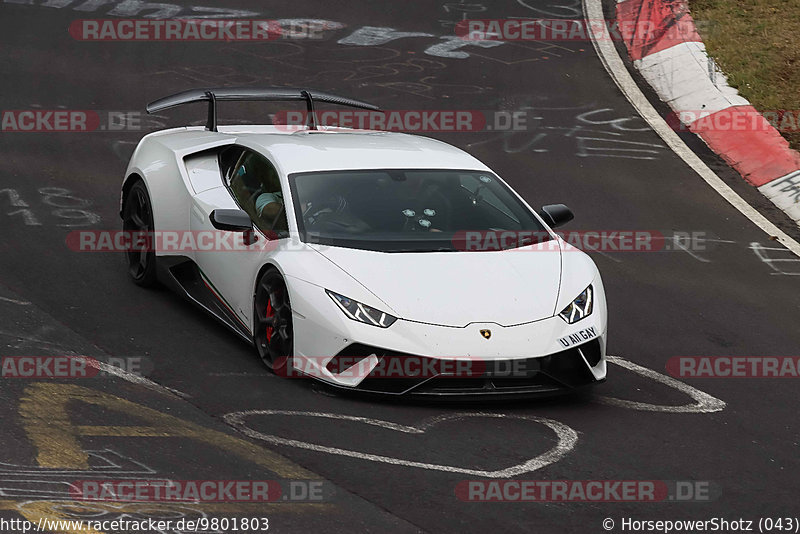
[438,249]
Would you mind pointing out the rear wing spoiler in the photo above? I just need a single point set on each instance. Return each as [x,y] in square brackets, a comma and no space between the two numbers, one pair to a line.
[248,94]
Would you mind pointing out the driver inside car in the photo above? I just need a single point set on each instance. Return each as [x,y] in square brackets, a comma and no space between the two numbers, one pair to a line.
[269,205]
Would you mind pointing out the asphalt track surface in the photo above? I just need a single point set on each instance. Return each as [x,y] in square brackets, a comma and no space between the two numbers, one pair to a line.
[587,149]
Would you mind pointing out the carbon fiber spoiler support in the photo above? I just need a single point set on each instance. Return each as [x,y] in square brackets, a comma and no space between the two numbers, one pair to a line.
[248,94]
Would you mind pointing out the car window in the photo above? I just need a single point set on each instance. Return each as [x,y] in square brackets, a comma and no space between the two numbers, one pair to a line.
[256,186]
[228,159]
[407,210]
[477,184]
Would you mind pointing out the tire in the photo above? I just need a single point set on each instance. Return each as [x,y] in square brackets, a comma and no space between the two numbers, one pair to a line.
[274,334]
[137,216]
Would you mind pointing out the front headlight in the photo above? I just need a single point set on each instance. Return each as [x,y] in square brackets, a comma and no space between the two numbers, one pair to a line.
[580,307]
[361,312]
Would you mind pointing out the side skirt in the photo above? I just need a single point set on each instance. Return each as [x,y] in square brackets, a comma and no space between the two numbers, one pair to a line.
[184,277]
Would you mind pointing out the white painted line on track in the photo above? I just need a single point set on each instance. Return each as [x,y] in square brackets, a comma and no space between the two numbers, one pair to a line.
[14,301]
[134,378]
[704,403]
[607,52]
[567,439]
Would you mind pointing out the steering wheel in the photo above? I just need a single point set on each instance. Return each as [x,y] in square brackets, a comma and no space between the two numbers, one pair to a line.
[335,204]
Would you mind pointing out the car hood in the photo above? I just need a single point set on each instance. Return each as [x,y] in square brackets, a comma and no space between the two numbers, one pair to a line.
[458,288]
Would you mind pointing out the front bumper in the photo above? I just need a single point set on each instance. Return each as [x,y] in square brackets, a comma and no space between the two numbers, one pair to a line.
[555,374]
[543,357]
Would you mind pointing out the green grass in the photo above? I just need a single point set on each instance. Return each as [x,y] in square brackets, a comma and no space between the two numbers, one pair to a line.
[757,44]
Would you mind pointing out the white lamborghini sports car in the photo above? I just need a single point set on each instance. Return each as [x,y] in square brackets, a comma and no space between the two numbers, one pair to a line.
[372,261]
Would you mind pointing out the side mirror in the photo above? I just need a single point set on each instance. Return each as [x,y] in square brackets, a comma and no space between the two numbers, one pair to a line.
[556,215]
[231,220]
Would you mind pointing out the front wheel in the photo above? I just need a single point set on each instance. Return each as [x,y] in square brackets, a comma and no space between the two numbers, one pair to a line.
[274,337]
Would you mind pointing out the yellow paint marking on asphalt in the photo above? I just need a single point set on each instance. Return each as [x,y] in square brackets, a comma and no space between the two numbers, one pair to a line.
[46,421]
[122,431]
[48,427]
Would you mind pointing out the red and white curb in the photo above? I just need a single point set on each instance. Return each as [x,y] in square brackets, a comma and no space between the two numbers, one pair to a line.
[672,58]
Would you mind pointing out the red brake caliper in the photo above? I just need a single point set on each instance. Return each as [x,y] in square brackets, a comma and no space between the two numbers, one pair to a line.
[270,314]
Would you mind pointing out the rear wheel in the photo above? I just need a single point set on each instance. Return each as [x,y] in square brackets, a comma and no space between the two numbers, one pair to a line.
[274,336]
[137,216]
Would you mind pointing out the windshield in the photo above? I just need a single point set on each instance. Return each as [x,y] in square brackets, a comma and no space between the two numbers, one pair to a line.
[408,210]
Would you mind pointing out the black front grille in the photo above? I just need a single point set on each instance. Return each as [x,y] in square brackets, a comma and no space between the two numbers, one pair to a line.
[567,367]
[350,355]
[540,383]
